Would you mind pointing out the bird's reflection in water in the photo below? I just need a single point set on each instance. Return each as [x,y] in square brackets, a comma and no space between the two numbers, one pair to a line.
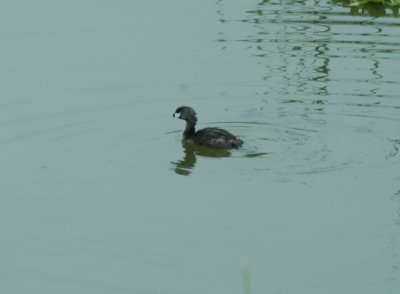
[184,166]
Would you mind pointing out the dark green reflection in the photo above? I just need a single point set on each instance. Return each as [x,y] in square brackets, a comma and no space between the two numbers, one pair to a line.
[184,166]
[371,7]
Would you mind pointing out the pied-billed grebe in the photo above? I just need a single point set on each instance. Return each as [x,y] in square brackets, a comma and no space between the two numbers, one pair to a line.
[211,137]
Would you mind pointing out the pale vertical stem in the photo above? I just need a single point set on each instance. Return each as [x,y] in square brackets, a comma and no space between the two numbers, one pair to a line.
[246,276]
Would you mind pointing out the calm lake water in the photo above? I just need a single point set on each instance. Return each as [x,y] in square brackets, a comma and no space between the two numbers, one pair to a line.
[98,194]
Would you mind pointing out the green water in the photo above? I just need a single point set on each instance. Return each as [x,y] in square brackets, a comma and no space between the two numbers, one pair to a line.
[99,195]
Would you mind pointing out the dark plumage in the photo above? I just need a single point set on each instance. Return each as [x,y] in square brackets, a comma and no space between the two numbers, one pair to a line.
[211,137]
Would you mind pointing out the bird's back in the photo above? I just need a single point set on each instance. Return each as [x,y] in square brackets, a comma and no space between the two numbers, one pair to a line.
[216,137]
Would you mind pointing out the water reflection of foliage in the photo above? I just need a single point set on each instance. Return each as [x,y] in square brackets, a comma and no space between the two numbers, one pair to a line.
[303,67]
[373,8]
[184,166]
[320,64]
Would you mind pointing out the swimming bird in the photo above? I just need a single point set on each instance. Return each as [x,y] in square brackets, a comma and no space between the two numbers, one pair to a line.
[211,137]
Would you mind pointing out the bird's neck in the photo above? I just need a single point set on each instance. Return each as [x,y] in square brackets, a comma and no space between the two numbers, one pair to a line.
[189,130]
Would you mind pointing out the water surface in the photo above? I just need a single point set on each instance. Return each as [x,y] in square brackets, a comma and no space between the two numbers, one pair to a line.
[99,195]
